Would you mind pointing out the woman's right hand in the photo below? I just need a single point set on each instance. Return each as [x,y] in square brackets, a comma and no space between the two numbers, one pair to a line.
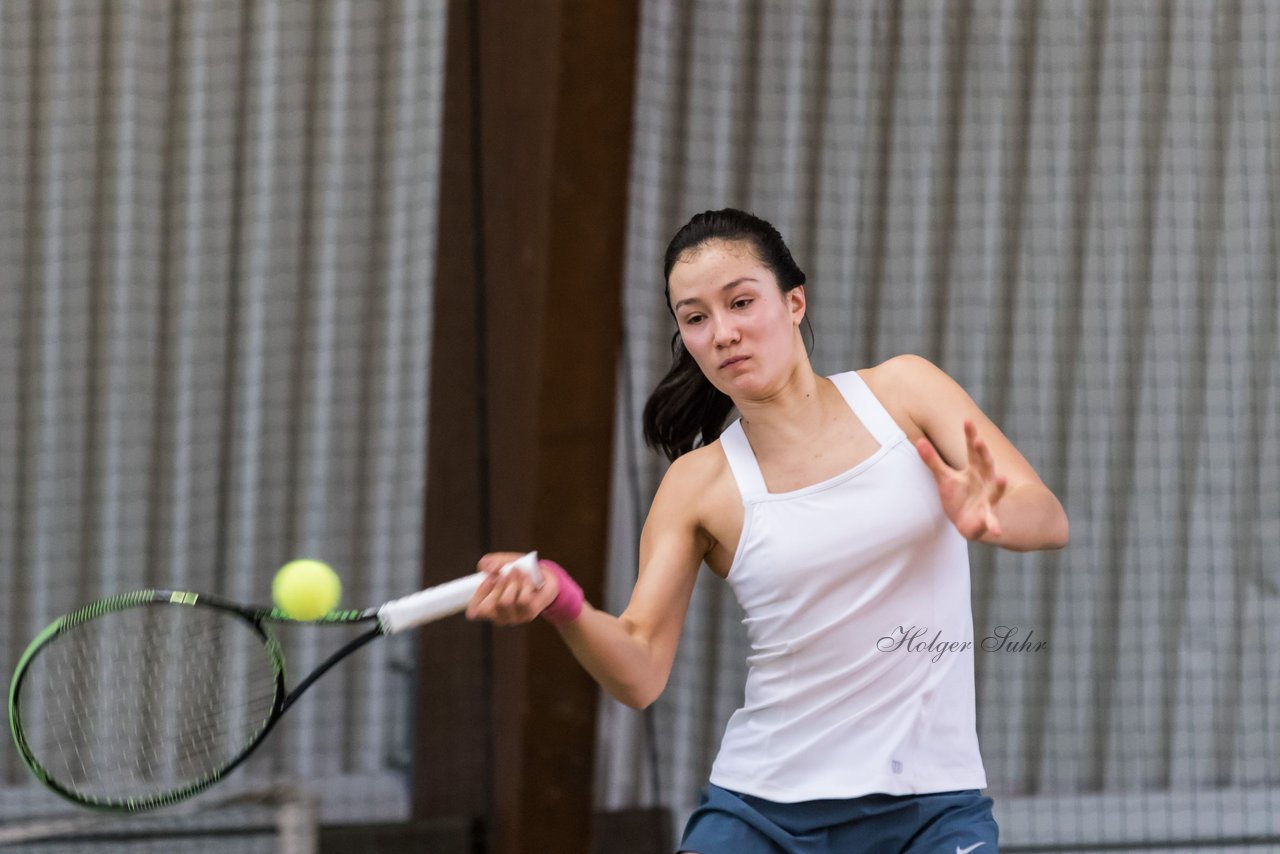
[509,599]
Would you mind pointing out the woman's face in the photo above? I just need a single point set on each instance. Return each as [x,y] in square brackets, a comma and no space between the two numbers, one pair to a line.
[740,328]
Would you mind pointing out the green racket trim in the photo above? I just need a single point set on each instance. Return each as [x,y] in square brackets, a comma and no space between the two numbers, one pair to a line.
[121,603]
[57,627]
[276,615]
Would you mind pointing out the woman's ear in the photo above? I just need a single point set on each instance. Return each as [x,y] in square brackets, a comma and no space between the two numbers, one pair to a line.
[796,303]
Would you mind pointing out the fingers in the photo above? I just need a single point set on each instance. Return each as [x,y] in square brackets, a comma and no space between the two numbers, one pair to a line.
[932,459]
[997,491]
[979,454]
[509,598]
[975,531]
[986,525]
[969,494]
[980,458]
[978,522]
[494,561]
[988,462]
[480,596]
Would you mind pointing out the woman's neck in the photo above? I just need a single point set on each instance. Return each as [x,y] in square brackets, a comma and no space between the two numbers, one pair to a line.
[797,411]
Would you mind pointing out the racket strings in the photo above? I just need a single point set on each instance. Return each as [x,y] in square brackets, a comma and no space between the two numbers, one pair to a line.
[147,701]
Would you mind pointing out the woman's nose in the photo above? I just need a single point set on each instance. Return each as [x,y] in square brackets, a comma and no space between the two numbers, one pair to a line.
[726,331]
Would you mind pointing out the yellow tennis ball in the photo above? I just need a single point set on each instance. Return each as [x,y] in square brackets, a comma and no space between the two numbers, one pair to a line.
[306,589]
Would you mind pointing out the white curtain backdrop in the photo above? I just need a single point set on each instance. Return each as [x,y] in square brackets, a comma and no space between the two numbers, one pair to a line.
[217,224]
[1073,208]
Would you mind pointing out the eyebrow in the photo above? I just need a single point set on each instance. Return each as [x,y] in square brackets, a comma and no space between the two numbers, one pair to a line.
[723,288]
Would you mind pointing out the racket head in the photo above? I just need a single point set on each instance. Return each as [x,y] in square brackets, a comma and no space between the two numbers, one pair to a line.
[145,699]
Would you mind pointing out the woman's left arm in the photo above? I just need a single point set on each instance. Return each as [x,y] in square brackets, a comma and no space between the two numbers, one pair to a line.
[988,489]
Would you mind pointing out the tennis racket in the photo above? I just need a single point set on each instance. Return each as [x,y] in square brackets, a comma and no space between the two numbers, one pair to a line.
[145,699]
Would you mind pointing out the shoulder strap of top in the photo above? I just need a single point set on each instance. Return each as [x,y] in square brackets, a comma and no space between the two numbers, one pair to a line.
[869,410]
[742,461]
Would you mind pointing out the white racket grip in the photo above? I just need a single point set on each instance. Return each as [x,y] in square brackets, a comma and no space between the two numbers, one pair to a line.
[446,599]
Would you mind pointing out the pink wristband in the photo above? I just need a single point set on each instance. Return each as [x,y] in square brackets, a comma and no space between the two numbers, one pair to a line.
[567,605]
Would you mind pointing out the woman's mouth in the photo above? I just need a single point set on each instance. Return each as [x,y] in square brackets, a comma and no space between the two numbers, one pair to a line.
[736,360]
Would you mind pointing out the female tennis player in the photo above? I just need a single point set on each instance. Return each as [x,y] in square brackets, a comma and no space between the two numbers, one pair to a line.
[839,510]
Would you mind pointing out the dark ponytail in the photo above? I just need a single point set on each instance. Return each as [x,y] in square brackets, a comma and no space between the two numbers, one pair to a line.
[686,409]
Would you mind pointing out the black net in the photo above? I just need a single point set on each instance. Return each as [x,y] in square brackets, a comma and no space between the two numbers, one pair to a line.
[136,708]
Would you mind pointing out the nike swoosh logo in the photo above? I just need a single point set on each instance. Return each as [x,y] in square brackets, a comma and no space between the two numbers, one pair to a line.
[960,850]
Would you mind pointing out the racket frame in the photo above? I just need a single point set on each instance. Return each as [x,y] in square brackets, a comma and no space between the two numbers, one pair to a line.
[255,618]
[392,617]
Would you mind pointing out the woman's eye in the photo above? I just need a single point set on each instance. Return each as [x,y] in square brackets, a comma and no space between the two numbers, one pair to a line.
[692,319]
[741,302]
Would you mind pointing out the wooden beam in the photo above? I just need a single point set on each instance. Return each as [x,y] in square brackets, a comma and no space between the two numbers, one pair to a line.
[555,92]
[451,728]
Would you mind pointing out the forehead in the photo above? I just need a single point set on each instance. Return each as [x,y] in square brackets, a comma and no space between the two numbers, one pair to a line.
[713,264]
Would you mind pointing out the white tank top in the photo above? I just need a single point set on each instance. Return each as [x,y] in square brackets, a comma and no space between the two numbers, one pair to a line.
[843,696]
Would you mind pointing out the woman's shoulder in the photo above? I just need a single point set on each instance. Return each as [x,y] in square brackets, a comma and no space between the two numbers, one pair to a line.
[699,468]
[900,368]
[697,477]
[693,487]
[899,376]
[898,383]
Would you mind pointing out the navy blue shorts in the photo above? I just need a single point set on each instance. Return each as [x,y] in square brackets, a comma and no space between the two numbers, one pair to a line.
[727,822]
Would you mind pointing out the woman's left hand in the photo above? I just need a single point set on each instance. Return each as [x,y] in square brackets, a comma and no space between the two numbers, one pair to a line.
[970,494]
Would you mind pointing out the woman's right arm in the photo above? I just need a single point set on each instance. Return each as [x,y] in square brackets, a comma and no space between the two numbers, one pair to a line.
[629,655]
